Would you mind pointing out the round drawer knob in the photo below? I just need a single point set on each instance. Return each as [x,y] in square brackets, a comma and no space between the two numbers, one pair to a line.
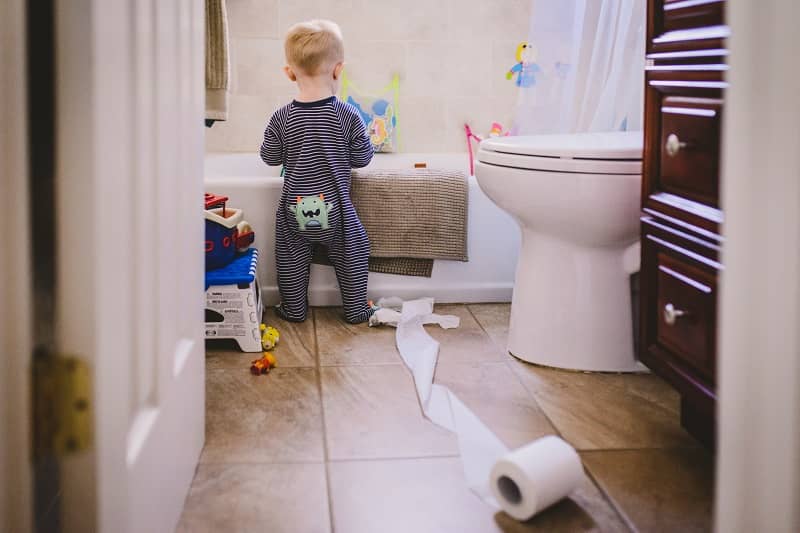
[672,314]
[674,145]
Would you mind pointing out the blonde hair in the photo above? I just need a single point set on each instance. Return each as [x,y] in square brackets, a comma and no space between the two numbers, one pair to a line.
[314,45]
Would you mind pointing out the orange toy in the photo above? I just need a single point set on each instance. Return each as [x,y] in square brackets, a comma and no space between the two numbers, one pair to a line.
[263,365]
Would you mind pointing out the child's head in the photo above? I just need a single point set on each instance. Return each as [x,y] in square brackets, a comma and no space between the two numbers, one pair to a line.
[314,48]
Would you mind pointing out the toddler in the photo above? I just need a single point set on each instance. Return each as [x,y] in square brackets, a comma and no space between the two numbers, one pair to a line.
[318,139]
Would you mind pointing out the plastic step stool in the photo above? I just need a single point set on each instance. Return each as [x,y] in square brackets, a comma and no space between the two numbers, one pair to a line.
[233,302]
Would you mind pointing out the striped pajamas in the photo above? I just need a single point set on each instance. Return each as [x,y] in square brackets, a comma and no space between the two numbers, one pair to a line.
[318,143]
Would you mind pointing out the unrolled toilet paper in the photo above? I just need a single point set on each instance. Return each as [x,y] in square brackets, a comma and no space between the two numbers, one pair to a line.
[522,482]
[534,477]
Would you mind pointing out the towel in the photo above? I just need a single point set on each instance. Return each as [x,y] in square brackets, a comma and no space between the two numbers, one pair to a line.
[217,60]
[412,217]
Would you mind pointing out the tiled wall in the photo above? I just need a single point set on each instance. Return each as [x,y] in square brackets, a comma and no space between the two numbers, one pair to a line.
[451,56]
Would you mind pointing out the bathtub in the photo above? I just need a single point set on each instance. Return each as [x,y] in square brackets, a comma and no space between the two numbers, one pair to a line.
[493,236]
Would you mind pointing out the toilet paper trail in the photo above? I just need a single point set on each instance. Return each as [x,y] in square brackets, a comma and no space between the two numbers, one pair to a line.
[555,467]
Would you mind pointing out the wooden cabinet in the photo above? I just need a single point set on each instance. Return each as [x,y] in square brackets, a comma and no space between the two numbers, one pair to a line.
[681,214]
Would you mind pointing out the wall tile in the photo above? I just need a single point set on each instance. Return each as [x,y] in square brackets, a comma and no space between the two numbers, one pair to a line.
[420,123]
[244,129]
[468,68]
[371,64]
[259,66]
[479,113]
[393,20]
[426,69]
[501,19]
[253,18]
[294,11]
[451,56]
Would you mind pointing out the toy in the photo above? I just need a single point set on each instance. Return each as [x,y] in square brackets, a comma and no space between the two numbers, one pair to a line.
[226,232]
[311,212]
[496,131]
[269,337]
[263,365]
[378,111]
[525,68]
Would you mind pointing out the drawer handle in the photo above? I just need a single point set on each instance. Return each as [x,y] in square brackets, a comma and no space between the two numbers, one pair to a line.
[674,145]
[672,314]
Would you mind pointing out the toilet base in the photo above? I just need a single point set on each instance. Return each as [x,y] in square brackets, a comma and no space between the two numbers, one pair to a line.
[572,306]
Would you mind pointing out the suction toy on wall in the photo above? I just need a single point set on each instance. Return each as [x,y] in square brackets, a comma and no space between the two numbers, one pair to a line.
[525,68]
[496,131]
[379,112]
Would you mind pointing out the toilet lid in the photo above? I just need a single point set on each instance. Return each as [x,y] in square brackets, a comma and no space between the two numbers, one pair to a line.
[592,153]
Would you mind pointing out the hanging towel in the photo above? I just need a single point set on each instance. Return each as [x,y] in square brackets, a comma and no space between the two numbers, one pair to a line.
[217,60]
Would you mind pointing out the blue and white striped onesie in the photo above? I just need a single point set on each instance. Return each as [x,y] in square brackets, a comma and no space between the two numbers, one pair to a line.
[318,143]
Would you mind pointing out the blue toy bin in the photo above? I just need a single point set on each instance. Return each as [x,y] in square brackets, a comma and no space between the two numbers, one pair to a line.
[224,227]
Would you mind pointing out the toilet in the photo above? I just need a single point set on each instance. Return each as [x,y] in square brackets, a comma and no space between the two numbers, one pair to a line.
[576,200]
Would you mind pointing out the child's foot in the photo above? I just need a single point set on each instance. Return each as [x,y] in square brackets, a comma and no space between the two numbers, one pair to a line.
[284,316]
[363,316]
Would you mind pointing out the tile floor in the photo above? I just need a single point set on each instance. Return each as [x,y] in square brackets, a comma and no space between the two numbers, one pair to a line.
[333,439]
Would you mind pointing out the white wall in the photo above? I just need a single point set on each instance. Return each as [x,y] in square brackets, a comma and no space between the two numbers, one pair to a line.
[758,469]
[451,56]
[15,347]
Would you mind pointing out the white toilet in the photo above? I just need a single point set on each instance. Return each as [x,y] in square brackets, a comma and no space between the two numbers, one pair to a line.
[576,200]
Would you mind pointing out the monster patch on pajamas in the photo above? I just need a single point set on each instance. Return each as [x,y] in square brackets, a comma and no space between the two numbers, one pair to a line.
[311,212]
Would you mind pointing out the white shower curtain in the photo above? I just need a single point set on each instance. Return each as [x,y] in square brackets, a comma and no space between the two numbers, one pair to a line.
[586,67]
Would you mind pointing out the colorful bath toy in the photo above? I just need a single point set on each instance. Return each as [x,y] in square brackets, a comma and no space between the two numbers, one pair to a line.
[525,68]
[269,337]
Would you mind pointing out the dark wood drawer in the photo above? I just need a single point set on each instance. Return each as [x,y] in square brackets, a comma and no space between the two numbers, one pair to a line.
[690,141]
[687,14]
[686,301]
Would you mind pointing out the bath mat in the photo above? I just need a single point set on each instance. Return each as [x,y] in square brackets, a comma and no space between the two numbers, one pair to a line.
[412,217]
[402,266]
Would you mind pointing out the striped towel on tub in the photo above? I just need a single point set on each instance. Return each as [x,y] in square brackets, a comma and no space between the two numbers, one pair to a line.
[412,217]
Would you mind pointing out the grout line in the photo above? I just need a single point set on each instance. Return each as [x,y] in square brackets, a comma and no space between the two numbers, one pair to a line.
[535,400]
[501,349]
[641,449]
[326,452]
[506,362]
[255,463]
[379,459]
[349,365]
[607,497]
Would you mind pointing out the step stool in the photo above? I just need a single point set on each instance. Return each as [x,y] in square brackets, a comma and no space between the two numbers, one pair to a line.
[233,302]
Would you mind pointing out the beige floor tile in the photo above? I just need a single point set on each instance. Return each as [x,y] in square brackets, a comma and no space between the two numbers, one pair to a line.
[495,395]
[295,347]
[659,490]
[467,343]
[607,411]
[372,411]
[279,498]
[271,418]
[494,318]
[430,495]
[341,343]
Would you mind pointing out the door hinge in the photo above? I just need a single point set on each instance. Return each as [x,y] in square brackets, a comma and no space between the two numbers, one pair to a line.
[62,405]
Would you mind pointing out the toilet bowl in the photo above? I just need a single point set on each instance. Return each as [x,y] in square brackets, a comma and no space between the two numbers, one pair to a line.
[576,200]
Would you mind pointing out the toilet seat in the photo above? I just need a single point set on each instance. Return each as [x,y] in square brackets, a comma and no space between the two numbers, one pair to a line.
[585,153]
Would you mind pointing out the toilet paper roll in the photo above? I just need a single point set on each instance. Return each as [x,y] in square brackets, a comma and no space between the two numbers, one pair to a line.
[534,477]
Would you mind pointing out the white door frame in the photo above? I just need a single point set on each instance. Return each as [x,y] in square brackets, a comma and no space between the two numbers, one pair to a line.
[758,468]
[16,491]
